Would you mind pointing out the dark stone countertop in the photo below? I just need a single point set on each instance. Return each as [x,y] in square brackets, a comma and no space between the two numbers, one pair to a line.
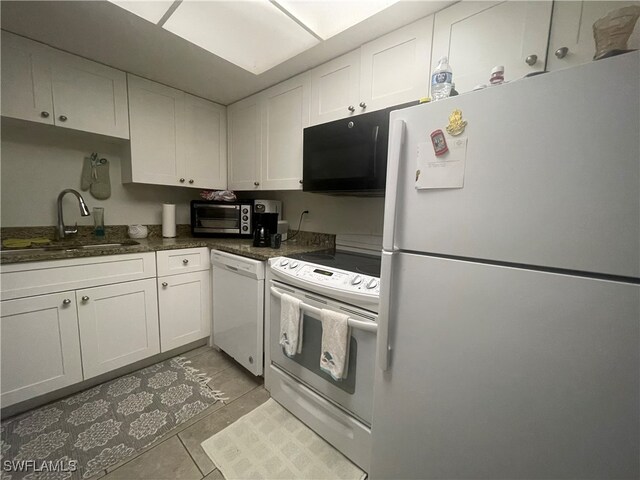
[304,242]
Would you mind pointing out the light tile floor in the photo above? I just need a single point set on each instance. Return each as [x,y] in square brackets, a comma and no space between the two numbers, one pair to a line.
[179,455]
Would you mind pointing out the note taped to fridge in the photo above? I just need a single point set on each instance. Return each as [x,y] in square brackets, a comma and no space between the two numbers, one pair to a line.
[446,171]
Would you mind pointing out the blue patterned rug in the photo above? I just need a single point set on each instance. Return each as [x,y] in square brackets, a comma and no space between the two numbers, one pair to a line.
[81,435]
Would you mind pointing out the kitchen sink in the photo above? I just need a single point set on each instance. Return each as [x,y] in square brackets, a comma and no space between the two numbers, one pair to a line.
[68,248]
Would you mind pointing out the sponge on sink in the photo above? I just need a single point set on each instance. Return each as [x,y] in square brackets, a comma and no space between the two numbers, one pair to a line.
[24,242]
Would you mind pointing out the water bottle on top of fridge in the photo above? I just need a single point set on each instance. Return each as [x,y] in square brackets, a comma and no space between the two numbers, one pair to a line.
[441,80]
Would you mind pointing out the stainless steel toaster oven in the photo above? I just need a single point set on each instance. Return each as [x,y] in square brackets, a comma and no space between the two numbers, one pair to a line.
[222,219]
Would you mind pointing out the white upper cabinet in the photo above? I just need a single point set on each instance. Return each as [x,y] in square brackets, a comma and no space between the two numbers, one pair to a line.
[478,36]
[88,96]
[156,116]
[335,89]
[26,80]
[176,139]
[395,68]
[571,41]
[388,71]
[48,86]
[285,114]
[245,147]
[205,149]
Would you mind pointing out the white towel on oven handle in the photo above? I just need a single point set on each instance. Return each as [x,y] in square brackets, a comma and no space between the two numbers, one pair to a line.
[336,336]
[290,325]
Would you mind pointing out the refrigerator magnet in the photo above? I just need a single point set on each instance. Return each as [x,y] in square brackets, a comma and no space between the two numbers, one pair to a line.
[456,123]
[439,143]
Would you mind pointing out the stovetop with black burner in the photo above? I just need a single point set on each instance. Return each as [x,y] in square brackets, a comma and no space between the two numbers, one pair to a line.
[348,261]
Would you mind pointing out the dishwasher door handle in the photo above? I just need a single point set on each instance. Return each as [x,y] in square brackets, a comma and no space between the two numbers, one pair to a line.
[229,267]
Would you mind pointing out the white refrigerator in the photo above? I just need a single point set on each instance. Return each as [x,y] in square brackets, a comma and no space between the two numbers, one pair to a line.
[509,329]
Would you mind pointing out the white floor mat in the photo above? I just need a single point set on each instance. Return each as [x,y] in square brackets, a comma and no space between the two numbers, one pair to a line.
[270,443]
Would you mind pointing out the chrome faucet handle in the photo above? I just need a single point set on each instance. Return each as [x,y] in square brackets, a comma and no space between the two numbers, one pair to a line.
[69,231]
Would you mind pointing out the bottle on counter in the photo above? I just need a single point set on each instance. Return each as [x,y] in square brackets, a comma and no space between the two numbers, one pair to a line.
[441,80]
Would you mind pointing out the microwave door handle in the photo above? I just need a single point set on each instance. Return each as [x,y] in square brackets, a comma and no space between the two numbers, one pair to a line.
[375,148]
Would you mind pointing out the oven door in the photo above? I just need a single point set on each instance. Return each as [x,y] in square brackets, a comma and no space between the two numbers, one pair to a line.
[354,393]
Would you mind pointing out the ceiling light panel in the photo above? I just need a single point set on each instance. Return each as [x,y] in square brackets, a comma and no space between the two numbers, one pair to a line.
[328,18]
[152,11]
[254,34]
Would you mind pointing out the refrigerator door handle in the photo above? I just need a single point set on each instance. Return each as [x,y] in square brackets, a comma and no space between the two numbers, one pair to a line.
[383,347]
[391,194]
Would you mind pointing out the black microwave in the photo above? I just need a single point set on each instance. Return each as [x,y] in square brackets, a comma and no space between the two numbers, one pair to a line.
[222,219]
[348,156]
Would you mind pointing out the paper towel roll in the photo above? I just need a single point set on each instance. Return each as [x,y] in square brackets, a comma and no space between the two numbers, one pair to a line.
[168,220]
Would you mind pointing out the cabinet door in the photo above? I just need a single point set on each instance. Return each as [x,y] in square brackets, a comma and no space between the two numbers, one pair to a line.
[156,116]
[285,113]
[395,67]
[88,96]
[335,89]
[205,149]
[245,137]
[40,346]
[185,308]
[118,325]
[26,80]
[478,36]
[572,28]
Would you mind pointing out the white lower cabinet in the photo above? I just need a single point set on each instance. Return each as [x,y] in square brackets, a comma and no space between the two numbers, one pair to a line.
[40,346]
[185,308]
[118,325]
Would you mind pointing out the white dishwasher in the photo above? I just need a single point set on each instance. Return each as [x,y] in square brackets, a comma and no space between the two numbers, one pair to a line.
[238,308]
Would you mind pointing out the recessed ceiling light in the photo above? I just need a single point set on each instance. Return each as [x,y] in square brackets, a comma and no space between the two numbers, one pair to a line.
[255,34]
[152,11]
[328,18]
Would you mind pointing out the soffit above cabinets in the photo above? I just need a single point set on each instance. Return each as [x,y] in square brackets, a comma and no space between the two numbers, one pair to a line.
[316,32]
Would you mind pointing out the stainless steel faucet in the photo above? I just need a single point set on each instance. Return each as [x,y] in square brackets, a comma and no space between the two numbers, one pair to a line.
[84,211]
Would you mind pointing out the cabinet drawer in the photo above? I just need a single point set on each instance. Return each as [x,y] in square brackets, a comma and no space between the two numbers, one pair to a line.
[184,260]
[36,278]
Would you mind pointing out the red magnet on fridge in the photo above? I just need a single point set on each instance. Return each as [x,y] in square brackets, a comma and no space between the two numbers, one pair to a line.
[439,143]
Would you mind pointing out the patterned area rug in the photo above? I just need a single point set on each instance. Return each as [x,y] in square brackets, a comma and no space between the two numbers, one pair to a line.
[270,443]
[81,435]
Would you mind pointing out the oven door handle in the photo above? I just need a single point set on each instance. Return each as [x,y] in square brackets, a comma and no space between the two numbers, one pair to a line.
[359,324]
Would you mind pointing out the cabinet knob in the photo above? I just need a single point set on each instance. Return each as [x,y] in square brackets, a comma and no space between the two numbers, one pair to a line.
[301,182]
[352,108]
[191,180]
[532,60]
[62,118]
[363,105]
[561,52]
[165,284]
[251,360]
[85,298]
[44,114]
[256,183]
[182,180]
[66,301]
[185,261]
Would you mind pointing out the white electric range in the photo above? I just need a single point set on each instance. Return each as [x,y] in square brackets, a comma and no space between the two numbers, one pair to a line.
[344,281]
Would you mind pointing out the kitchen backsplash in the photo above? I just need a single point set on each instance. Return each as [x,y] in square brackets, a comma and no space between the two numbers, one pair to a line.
[38,162]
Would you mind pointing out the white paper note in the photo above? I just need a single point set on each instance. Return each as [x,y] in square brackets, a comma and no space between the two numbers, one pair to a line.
[445,171]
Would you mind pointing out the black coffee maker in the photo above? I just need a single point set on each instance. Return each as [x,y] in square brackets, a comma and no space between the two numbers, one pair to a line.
[266,224]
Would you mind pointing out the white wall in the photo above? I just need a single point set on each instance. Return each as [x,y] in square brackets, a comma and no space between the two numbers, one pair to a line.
[329,214]
[38,162]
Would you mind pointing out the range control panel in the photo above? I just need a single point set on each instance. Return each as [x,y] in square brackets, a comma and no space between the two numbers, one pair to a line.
[326,276]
